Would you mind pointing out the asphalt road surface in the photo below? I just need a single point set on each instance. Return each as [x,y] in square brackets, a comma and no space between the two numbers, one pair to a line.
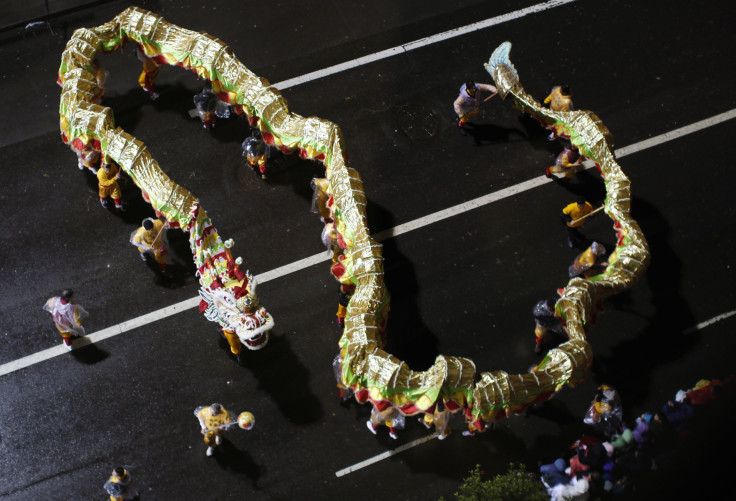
[463,285]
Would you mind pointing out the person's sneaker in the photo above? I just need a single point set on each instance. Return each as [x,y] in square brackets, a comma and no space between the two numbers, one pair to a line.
[426,424]
[468,433]
[551,136]
[218,440]
[240,359]
[548,173]
[210,450]
[392,435]
[370,426]
[68,346]
[120,207]
[104,203]
[441,437]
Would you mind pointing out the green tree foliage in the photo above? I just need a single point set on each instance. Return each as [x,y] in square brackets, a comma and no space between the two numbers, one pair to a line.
[515,485]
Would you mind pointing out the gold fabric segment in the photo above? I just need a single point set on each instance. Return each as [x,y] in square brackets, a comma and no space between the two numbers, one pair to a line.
[174,201]
[91,119]
[80,50]
[569,362]
[80,86]
[372,369]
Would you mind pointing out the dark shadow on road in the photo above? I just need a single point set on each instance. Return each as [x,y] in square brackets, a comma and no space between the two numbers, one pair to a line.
[87,352]
[695,457]
[484,134]
[571,427]
[537,135]
[128,107]
[282,375]
[586,184]
[291,170]
[230,458]
[233,129]
[281,170]
[407,336]
[493,450]
[180,269]
[662,341]
[136,209]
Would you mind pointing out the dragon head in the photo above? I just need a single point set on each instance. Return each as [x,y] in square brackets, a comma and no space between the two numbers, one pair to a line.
[240,313]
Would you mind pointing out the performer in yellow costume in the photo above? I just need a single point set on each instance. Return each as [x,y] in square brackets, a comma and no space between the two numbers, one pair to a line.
[89,158]
[589,263]
[440,418]
[390,416]
[107,180]
[559,99]
[545,321]
[248,308]
[67,316]
[573,217]
[346,292]
[236,347]
[147,78]
[213,419]
[206,104]
[255,151]
[150,239]
[119,486]
[566,164]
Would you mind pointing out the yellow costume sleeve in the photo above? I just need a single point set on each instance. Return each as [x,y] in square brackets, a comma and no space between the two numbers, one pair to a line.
[569,208]
[104,179]
[587,257]
[138,237]
[77,317]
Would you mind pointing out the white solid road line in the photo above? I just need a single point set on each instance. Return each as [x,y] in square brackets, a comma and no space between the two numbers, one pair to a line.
[416,44]
[381,236]
[676,134]
[703,325]
[384,455]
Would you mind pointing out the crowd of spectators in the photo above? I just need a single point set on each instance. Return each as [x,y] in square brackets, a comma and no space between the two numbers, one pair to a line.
[617,457]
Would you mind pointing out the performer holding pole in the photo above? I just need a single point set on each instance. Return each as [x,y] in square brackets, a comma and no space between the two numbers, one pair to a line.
[573,216]
[566,164]
[467,104]
[150,239]
[107,181]
[215,419]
